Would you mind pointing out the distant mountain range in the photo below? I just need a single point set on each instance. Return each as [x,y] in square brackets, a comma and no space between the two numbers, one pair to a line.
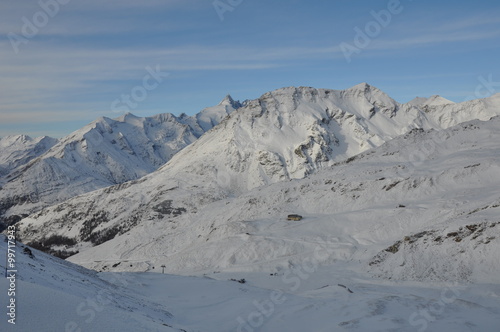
[36,173]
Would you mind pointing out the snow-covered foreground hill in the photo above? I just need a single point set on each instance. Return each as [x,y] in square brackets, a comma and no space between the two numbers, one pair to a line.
[54,295]
[103,153]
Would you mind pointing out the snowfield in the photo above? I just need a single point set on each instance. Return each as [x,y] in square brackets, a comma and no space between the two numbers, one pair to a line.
[54,295]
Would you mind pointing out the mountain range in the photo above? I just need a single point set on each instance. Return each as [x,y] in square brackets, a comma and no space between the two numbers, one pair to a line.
[318,152]
[37,173]
[399,206]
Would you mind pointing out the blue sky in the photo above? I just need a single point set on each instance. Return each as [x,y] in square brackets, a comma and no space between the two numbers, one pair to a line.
[66,62]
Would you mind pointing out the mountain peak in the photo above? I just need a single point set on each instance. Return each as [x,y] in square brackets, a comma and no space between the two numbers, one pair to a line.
[228,100]
[436,100]
[417,101]
[17,138]
[361,86]
[126,117]
[372,94]
[366,88]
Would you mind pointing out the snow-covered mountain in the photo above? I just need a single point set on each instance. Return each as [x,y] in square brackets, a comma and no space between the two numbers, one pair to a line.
[18,150]
[434,100]
[427,201]
[103,153]
[400,229]
[286,134]
[214,203]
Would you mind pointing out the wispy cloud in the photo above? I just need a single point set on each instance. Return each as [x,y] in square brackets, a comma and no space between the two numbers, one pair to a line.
[52,80]
[402,35]
[84,18]
[432,39]
[476,21]
[94,51]
[39,116]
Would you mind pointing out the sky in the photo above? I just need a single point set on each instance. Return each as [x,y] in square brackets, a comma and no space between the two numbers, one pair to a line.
[65,63]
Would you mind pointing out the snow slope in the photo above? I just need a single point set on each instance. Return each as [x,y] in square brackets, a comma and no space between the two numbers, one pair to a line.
[54,295]
[103,153]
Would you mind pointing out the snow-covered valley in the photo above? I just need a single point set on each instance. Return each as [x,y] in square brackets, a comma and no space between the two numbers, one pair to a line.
[53,295]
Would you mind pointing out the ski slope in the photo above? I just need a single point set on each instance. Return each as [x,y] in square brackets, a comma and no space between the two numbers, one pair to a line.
[54,295]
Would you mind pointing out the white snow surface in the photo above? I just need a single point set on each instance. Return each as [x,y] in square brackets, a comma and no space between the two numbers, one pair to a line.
[55,295]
